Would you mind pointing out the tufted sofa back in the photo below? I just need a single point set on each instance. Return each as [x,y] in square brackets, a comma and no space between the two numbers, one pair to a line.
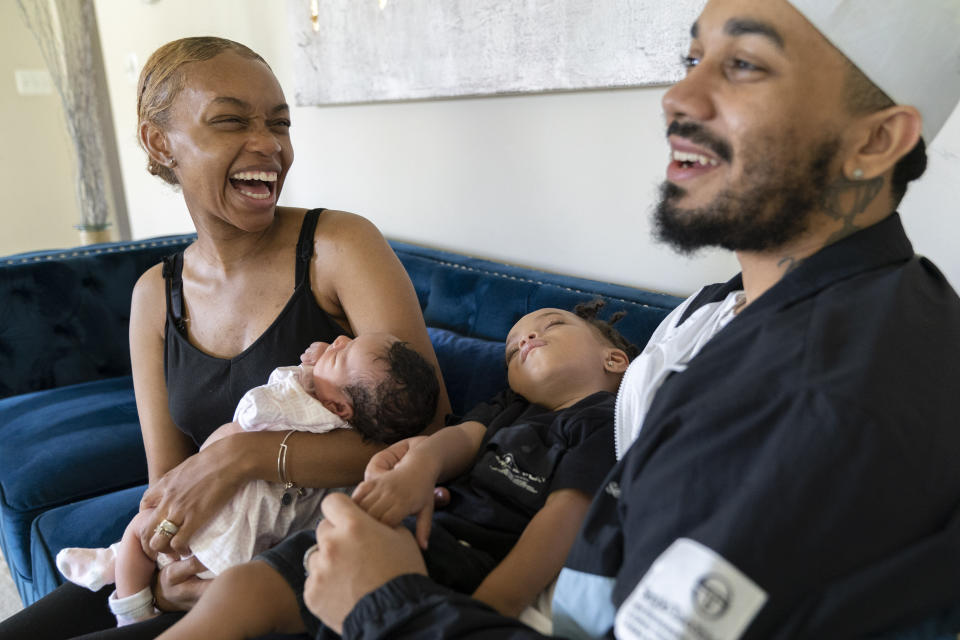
[470,305]
[64,314]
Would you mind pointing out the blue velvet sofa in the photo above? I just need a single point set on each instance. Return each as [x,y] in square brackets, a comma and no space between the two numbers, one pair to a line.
[72,466]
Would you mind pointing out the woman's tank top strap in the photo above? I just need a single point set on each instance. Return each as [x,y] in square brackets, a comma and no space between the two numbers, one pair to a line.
[173,267]
[173,276]
[305,245]
[203,390]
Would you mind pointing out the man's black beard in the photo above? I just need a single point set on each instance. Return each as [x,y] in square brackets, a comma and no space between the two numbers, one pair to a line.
[773,209]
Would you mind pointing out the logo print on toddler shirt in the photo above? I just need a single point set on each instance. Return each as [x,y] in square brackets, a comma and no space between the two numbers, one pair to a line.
[506,466]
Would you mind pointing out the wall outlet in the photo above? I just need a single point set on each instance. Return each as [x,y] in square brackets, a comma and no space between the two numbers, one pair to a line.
[33,82]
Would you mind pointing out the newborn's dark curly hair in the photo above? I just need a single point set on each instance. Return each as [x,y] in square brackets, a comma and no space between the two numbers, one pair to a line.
[589,311]
[402,403]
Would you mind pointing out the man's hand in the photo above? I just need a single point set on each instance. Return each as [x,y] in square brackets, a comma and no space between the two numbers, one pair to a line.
[355,555]
[177,586]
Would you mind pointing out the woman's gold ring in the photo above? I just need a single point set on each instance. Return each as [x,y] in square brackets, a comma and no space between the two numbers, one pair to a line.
[168,528]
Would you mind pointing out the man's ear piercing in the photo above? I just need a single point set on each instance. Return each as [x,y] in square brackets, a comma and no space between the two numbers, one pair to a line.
[858,174]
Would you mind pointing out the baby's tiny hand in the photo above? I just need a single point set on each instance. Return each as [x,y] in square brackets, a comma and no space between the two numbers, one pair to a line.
[313,353]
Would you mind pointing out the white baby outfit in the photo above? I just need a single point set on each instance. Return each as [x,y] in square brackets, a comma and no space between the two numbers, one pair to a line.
[255,519]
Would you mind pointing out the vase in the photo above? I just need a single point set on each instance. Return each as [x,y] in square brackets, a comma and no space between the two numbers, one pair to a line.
[94,235]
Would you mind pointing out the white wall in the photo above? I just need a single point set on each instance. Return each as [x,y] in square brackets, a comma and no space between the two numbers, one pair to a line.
[37,164]
[562,182]
[931,209]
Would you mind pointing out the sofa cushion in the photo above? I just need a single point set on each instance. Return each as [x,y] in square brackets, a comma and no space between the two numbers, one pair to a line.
[94,522]
[473,369]
[63,445]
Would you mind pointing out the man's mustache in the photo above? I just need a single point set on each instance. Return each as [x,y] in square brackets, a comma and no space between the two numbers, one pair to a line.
[697,134]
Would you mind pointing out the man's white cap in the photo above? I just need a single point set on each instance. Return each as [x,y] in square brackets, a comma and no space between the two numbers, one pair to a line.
[908,48]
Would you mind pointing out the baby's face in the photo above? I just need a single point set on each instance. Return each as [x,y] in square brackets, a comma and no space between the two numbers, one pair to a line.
[552,347]
[345,361]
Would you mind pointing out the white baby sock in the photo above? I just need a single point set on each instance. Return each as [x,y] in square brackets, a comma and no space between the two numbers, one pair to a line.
[90,568]
[135,608]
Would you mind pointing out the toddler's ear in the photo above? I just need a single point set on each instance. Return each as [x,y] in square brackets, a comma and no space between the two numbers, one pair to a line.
[343,410]
[616,361]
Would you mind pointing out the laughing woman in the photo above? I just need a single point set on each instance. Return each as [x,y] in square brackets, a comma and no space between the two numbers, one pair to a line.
[260,283]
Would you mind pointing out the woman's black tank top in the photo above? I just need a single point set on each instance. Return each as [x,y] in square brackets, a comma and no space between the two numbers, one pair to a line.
[203,390]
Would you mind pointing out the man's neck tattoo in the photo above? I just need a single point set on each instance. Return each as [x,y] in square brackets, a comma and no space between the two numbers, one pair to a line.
[844,200]
[788,264]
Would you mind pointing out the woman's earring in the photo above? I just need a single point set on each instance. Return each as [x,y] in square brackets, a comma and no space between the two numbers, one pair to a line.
[173,162]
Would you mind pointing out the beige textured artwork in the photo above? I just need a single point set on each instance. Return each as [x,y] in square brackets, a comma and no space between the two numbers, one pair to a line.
[354,51]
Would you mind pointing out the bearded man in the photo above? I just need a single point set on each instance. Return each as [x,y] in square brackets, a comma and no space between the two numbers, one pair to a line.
[789,440]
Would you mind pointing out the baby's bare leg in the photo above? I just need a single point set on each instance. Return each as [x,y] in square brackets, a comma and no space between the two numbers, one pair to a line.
[134,569]
[245,601]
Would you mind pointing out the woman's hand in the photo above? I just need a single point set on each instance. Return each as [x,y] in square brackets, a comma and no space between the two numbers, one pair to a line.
[177,586]
[189,496]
